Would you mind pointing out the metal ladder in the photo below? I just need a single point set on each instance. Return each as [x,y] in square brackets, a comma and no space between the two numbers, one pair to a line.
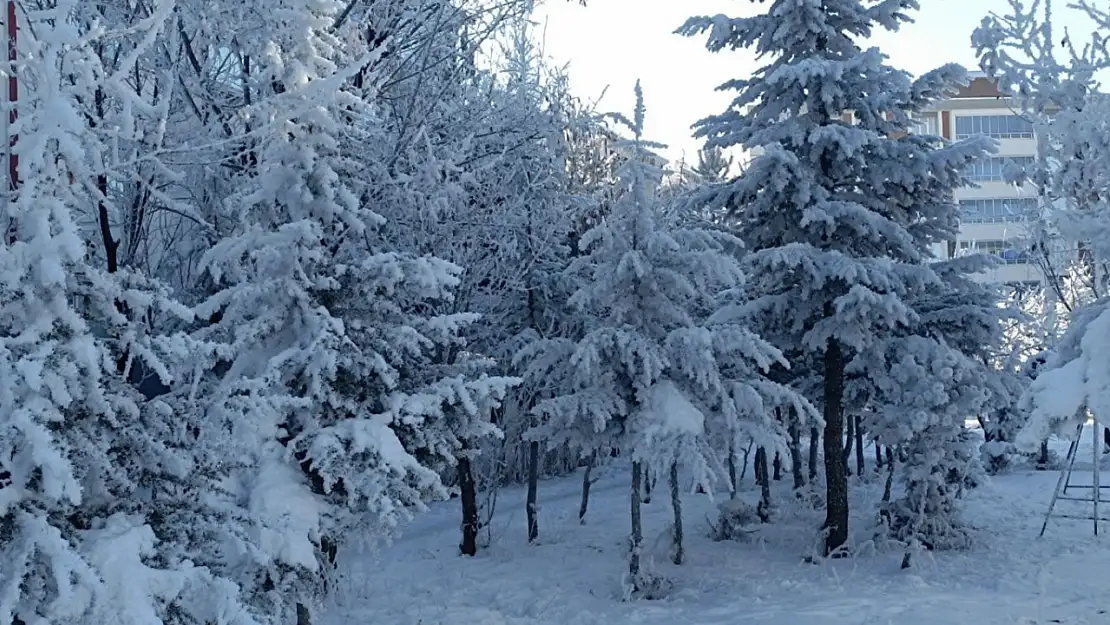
[1064,483]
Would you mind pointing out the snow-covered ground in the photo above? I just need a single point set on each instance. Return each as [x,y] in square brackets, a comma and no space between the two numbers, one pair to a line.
[573,575]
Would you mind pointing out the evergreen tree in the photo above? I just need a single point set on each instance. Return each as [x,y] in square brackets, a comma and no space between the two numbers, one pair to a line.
[713,166]
[87,471]
[922,385]
[647,370]
[832,254]
[346,393]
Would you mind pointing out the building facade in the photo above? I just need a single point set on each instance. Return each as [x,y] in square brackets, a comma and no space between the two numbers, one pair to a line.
[993,212]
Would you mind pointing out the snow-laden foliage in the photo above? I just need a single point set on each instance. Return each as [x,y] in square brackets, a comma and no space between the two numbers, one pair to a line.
[646,287]
[922,387]
[650,372]
[839,206]
[86,471]
[330,368]
[1054,80]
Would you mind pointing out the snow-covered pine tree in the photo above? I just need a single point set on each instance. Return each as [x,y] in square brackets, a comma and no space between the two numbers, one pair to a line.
[84,467]
[477,157]
[647,370]
[832,257]
[921,387]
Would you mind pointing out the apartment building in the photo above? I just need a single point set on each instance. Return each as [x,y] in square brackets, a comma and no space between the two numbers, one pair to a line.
[993,211]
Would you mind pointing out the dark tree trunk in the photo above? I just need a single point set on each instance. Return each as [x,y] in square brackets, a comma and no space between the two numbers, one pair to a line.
[637,538]
[836,478]
[889,486]
[776,466]
[884,507]
[468,497]
[744,465]
[763,475]
[1042,459]
[533,486]
[676,503]
[649,483]
[795,431]
[860,465]
[733,485]
[586,483]
[878,456]
[849,440]
[814,441]
[304,617]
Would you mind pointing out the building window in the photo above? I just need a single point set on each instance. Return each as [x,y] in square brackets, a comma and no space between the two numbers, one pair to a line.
[1006,251]
[996,126]
[925,124]
[994,169]
[996,210]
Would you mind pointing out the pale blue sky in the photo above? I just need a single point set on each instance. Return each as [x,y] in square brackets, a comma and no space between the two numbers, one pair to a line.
[614,42]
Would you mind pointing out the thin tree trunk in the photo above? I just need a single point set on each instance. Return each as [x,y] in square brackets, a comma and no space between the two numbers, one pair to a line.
[733,485]
[533,486]
[468,497]
[884,506]
[795,432]
[304,617]
[648,485]
[762,475]
[676,503]
[889,486]
[744,466]
[878,456]
[814,441]
[860,465]
[836,478]
[1042,461]
[586,483]
[849,440]
[777,467]
[637,539]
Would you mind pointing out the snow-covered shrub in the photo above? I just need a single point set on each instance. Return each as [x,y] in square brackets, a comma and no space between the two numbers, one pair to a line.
[736,520]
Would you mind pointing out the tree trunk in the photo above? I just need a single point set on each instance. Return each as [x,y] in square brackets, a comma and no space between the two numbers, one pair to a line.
[744,464]
[795,431]
[304,617]
[586,483]
[884,506]
[878,456]
[734,486]
[649,483]
[468,497]
[1042,460]
[814,441]
[676,503]
[860,465]
[849,440]
[836,478]
[637,538]
[533,486]
[889,486]
[763,475]
[777,467]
